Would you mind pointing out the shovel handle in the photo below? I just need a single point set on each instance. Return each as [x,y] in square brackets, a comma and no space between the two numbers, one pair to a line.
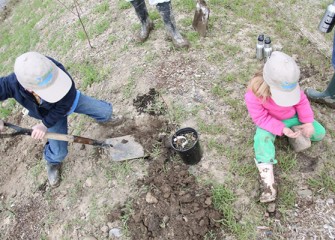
[55,136]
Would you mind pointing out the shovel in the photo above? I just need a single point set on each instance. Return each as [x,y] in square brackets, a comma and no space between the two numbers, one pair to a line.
[201,16]
[119,148]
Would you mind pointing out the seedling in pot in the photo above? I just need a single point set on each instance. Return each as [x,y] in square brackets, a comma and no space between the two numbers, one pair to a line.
[184,141]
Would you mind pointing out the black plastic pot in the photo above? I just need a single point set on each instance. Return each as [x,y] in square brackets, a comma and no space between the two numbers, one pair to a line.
[192,154]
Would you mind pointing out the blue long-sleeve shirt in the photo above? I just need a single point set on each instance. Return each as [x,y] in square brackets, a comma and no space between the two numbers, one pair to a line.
[49,113]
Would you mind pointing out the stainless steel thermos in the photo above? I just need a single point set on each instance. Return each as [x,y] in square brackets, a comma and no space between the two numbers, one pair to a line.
[263,47]
[267,48]
[260,47]
[328,20]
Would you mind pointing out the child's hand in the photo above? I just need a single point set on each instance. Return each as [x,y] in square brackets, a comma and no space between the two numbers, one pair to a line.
[291,134]
[39,131]
[307,129]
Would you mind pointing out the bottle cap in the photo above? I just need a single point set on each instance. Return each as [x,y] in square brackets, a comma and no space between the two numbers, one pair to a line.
[267,40]
[261,37]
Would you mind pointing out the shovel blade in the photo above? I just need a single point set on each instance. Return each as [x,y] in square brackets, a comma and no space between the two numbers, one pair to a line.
[124,148]
[201,16]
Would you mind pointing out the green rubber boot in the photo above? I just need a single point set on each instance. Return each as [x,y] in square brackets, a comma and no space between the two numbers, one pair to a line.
[326,97]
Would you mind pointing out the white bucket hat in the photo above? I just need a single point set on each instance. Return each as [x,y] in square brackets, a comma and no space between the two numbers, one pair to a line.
[282,74]
[37,73]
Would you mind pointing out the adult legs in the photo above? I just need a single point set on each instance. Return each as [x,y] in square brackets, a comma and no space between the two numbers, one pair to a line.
[327,96]
[165,10]
[143,15]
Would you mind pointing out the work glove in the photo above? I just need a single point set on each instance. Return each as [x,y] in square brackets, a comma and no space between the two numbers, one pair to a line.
[2,126]
[39,131]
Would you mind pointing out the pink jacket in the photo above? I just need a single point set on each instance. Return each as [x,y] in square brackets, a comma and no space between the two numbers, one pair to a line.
[268,115]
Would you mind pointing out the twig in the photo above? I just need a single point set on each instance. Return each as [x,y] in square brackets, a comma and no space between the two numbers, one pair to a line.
[77,13]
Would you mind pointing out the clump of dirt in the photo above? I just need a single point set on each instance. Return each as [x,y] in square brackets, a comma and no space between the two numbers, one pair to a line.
[175,207]
[149,103]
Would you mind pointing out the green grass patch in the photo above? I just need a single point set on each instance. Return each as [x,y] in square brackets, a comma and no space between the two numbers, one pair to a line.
[122,5]
[213,129]
[223,200]
[88,73]
[102,7]
[118,171]
[7,108]
[324,181]
[287,196]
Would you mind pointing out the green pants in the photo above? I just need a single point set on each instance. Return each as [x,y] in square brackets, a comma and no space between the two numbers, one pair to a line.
[264,140]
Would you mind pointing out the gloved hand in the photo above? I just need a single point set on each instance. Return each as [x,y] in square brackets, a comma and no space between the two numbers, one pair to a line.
[2,126]
[39,131]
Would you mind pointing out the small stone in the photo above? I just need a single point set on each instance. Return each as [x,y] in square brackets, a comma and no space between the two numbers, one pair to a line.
[271,207]
[300,143]
[88,182]
[330,201]
[305,193]
[208,201]
[115,232]
[149,198]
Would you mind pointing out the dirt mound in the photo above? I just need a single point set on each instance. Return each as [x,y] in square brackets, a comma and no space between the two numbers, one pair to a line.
[175,207]
[149,103]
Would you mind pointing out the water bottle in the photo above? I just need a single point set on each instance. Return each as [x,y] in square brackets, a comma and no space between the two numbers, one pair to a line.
[267,48]
[328,21]
[260,47]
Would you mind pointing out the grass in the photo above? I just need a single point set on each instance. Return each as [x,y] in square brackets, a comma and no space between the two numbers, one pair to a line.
[88,73]
[118,171]
[7,108]
[37,170]
[130,86]
[102,8]
[223,200]
[324,181]
[126,213]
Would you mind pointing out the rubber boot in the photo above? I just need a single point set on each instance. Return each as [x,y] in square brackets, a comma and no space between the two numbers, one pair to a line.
[327,97]
[54,174]
[142,14]
[269,192]
[166,13]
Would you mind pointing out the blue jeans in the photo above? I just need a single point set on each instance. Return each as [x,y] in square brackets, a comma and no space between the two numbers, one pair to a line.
[55,151]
